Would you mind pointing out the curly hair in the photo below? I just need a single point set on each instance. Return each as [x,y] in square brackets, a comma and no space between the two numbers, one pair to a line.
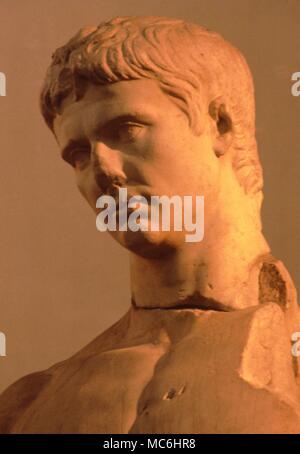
[191,64]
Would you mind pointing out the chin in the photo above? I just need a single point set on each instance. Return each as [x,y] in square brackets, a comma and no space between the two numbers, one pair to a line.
[146,243]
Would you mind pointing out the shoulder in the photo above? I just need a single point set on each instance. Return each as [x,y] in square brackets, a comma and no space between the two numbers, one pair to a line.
[17,397]
[22,394]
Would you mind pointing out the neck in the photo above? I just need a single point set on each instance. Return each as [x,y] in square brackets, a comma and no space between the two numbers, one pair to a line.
[217,273]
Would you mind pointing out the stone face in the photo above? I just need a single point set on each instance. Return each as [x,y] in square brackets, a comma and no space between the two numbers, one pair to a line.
[165,108]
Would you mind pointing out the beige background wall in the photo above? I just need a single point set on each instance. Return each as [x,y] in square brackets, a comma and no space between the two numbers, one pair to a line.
[61,281]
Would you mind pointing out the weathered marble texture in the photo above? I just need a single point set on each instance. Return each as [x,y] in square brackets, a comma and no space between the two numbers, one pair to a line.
[205,346]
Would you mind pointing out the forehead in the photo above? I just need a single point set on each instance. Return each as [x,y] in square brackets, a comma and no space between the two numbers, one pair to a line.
[102,103]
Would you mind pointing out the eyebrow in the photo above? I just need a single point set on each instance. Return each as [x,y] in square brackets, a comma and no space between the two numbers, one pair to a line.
[96,129]
[116,120]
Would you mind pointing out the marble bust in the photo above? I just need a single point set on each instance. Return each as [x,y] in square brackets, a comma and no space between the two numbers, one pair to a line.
[163,107]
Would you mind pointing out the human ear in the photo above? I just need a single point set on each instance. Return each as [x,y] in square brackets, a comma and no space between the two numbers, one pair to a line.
[221,126]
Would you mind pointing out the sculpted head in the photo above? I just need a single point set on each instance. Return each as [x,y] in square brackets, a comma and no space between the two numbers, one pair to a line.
[159,106]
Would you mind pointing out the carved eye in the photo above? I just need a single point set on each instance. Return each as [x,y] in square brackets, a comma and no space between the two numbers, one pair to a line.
[80,159]
[128,132]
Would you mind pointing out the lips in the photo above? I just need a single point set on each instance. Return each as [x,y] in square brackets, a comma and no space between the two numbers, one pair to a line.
[130,209]
[113,191]
[122,196]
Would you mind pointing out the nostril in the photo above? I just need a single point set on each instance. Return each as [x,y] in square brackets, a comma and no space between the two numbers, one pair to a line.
[103,181]
[107,174]
[119,180]
[109,184]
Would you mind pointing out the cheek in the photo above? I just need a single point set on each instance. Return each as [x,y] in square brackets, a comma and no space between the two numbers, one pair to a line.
[182,168]
[87,186]
[202,167]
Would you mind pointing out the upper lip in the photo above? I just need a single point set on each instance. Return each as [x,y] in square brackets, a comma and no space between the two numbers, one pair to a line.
[113,191]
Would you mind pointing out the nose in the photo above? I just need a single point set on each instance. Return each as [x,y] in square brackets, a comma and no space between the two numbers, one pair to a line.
[108,166]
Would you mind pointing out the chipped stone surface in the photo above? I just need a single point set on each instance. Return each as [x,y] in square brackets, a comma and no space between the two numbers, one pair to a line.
[175,371]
